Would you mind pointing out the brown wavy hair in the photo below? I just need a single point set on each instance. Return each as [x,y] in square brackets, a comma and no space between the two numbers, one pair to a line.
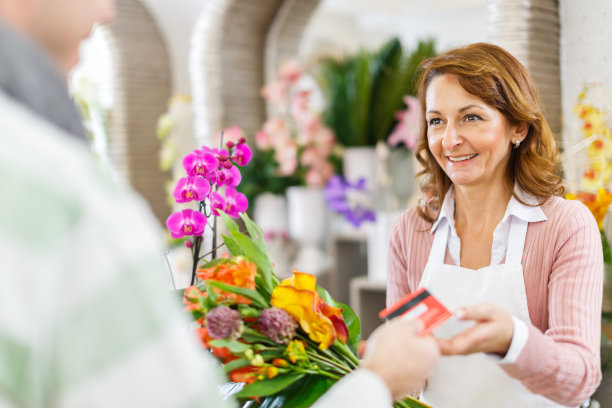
[501,81]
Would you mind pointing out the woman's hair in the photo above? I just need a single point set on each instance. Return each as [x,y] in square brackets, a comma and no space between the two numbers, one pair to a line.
[499,79]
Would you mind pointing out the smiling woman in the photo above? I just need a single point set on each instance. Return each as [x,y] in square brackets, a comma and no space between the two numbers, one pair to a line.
[494,241]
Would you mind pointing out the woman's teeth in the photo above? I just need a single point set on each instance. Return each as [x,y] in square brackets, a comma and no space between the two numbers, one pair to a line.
[462,158]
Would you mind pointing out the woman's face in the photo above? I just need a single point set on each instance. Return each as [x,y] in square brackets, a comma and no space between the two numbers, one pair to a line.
[470,140]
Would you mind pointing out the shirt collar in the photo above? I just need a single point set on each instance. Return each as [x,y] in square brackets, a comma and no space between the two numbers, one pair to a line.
[530,213]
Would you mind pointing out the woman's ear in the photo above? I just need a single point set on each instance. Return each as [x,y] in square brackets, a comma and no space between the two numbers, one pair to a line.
[519,131]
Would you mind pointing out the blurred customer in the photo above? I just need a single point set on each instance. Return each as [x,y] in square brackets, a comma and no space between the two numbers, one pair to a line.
[85,317]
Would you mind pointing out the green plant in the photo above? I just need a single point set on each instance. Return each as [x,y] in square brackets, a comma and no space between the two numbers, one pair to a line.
[364,91]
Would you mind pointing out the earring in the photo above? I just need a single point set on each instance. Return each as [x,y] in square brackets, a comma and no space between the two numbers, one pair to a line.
[517,143]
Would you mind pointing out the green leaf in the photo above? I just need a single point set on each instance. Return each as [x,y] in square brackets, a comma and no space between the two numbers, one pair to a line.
[410,402]
[232,246]
[252,252]
[268,387]
[255,297]
[255,232]
[233,345]
[230,224]
[234,364]
[306,393]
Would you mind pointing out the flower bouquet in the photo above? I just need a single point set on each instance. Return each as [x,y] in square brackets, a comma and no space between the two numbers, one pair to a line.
[288,342]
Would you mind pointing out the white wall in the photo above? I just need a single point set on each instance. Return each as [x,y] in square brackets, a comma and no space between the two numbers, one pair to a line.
[176,19]
[348,25]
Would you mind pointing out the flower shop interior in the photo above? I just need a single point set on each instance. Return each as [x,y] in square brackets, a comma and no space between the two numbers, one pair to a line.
[328,169]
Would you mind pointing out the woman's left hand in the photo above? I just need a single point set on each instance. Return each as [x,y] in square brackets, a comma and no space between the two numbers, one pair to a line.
[492,332]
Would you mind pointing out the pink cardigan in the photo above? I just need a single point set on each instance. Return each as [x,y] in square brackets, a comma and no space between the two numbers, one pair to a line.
[563,273]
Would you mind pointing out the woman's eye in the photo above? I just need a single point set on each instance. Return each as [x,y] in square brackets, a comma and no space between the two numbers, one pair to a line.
[471,117]
[434,121]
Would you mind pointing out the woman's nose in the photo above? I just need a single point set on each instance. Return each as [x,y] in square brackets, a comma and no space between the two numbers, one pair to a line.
[452,137]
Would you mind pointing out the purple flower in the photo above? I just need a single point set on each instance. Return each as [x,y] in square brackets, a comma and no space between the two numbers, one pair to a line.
[186,222]
[278,325]
[242,154]
[336,193]
[223,322]
[191,188]
[200,163]
[358,215]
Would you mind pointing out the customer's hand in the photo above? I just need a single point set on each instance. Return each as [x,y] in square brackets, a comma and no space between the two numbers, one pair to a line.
[492,332]
[401,357]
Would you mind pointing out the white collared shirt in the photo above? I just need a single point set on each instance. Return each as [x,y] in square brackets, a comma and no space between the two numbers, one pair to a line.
[514,210]
[500,235]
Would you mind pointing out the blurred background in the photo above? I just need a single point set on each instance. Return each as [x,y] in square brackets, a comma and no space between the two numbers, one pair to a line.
[323,92]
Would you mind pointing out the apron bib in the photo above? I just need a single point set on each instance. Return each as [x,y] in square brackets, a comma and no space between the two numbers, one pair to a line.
[477,380]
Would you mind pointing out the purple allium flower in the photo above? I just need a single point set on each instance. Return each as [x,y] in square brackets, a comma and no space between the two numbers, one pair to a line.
[191,188]
[223,322]
[200,163]
[278,325]
[186,222]
[242,154]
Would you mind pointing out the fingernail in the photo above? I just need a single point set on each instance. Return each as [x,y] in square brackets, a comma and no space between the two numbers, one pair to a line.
[460,313]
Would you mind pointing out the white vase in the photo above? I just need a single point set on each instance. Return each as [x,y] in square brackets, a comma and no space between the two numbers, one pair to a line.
[360,162]
[271,212]
[307,228]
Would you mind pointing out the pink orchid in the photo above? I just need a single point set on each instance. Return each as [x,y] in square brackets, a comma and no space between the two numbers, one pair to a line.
[191,188]
[242,154]
[286,156]
[408,129]
[200,163]
[290,71]
[226,176]
[319,174]
[262,140]
[276,93]
[186,222]
[232,204]
[278,131]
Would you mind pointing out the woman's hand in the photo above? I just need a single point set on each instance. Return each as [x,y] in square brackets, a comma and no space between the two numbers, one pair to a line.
[492,332]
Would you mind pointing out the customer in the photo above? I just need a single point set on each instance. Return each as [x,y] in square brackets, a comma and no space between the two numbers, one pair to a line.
[85,317]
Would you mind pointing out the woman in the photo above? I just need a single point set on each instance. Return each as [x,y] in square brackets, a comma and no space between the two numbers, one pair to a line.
[496,242]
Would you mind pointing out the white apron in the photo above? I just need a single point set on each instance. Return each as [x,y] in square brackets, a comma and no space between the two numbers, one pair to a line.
[477,380]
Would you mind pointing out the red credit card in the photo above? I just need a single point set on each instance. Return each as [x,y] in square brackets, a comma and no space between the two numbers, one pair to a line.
[420,305]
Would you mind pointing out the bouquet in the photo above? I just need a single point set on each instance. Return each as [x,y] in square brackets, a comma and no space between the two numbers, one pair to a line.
[287,341]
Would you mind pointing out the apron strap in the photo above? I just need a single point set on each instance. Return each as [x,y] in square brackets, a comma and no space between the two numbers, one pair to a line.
[516,241]
[438,249]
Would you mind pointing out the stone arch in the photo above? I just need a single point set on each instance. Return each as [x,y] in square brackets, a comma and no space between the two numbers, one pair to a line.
[230,65]
[142,87]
